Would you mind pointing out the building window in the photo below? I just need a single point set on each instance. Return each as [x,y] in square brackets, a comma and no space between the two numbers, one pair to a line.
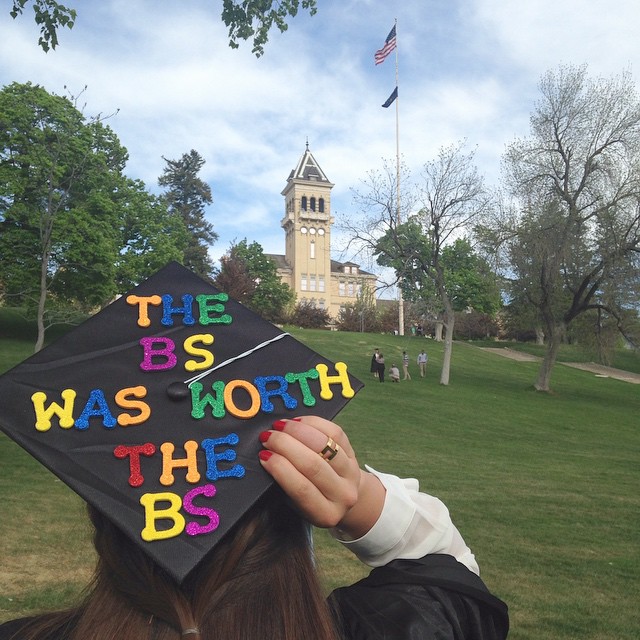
[341,289]
[312,249]
[321,303]
[312,283]
[321,283]
[303,282]
[347,269]
[313,204]
[354,271]
[350,289]
[303,203]
[321,205]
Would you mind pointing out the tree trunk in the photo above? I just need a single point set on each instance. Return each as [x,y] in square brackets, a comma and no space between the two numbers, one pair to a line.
[549,360]
[539,336]
[42,299]
[438,332]
[449,321]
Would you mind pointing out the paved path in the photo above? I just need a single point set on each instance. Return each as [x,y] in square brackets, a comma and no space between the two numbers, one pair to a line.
[598,369]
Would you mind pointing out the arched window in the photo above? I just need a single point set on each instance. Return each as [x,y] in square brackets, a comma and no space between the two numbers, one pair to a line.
[321,205]
[303,203]
[313,204]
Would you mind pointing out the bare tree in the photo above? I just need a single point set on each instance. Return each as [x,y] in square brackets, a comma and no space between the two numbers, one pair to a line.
[576,186]
[380,210]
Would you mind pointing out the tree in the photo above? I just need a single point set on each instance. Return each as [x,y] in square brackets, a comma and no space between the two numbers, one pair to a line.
[452,197]
[254,18]
[50,15]
[307,316]
[63,208]
[233,277]
[186,197]
[258,285]
[360,315]
[149,236]
[470,283]
[245,19]
[574,235]
[50,159]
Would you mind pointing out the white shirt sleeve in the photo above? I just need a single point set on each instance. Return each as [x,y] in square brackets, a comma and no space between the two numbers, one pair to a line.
[411,525]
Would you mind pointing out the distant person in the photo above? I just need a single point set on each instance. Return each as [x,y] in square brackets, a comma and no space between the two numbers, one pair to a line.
[380,366]
[422,363]
[394,373]
[374,362]
[405,366]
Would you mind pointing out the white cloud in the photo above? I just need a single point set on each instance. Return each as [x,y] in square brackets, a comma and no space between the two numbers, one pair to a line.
[468,70]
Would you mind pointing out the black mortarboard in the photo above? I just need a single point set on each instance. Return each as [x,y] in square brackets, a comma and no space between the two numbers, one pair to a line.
[151,410]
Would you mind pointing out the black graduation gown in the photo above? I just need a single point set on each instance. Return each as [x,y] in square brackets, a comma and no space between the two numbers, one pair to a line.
[434,598]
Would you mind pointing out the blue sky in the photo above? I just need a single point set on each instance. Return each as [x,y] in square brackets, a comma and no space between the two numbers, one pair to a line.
[469,70]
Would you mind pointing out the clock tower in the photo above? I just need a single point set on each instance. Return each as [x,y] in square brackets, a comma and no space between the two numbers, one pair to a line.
[307,225]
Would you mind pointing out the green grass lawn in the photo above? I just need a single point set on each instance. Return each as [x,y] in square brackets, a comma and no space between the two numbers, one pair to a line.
[545,488]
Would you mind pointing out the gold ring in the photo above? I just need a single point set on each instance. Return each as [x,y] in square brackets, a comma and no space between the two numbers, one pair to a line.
[330,450]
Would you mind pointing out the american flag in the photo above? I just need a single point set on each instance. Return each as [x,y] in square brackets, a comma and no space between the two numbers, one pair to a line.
[388,47]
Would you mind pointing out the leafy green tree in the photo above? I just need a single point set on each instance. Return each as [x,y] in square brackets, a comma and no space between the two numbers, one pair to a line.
[470,281]
[48,163]
[268,296]
[186,197]
[254,19]
[64,204]
[50,15]
[149,236]
[245,19]
[468,278]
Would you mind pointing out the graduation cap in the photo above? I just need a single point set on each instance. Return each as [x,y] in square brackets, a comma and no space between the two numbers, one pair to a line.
[151,410]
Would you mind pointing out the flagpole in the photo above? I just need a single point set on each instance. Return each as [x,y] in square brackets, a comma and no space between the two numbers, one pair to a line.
[400,298]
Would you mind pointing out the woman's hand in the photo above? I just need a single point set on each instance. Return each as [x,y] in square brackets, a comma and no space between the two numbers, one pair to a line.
[328,493]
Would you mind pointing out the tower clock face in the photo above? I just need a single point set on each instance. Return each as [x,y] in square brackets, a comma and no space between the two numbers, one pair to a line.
[303,229]
[320,232]
[312,231]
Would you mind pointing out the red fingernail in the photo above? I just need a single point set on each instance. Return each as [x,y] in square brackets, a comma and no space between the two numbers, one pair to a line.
[265,454]
[264,436]
[279,425]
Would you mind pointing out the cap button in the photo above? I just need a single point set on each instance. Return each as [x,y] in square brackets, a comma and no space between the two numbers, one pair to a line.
[178,391]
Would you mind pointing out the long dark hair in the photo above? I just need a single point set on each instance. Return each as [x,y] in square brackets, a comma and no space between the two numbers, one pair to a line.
[260,582]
